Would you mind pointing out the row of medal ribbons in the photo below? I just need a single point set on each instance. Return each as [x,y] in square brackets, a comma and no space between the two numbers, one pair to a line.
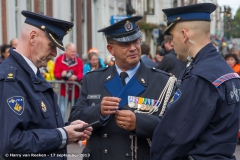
[140,103]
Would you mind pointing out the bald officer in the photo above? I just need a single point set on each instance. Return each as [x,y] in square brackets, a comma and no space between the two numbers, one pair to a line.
[30,120]
[201,121]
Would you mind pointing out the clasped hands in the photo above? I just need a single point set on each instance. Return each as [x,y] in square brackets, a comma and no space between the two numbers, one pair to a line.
[125,119]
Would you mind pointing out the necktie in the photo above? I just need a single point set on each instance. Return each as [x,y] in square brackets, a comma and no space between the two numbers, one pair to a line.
[39,74]
[123,75]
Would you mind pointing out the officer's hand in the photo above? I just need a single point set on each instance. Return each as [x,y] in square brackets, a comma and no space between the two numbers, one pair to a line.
[64,73]
[126,119]
[74,135]
[73,78]
[109,105]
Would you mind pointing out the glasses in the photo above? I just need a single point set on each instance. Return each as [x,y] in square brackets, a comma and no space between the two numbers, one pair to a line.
[136,42]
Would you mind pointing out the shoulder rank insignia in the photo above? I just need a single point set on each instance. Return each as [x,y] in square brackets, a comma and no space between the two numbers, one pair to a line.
[10,74]
[43,106]
[16,103]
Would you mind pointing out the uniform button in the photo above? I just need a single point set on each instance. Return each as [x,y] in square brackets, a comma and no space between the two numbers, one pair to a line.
[105,151]
[56,114]
[105,135]
[127,155]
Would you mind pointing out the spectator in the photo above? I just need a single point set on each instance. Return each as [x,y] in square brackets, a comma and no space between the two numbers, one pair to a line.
[145,56]
[14,42]
[233,61]
[235,50]
[4,52]
[224,49]
[70,68]
[31,123]
[94,62]
[47,72]
[170,63]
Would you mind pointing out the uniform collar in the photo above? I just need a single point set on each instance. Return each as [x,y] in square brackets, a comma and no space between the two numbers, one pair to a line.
[130,72]
[34,68]
[206,49]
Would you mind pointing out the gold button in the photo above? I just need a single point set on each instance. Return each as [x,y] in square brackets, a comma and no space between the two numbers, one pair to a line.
[105,151]
[105,135]
[127,155]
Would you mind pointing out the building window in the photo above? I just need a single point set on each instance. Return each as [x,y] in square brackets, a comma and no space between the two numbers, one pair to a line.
[41,6]
[150,7]
[29,5]
[175,3]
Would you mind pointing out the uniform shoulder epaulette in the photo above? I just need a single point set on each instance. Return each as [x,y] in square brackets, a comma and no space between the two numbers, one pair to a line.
[98,70]
[161,71]
[10,74]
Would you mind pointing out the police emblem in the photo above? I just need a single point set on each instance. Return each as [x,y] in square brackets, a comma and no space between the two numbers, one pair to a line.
[16,103]
[43,106]
[176,96]
[128,26]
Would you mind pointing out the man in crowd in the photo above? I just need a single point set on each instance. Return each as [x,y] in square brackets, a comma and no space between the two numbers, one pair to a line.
[68,67]
[122,97]
[170,63]
[201,120]
[14,42]
[145,56]
[30,117]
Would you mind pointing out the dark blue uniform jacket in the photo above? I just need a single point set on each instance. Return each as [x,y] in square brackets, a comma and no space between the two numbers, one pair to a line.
[29,114]
[110,142]
[202,118]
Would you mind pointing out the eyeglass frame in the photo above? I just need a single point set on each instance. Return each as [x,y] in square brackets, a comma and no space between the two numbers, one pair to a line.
[128,44]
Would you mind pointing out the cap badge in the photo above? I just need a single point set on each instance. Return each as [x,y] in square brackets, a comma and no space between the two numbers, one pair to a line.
[128,26]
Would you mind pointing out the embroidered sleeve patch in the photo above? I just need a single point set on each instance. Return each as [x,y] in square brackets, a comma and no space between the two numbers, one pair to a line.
[175,97]
[16,103]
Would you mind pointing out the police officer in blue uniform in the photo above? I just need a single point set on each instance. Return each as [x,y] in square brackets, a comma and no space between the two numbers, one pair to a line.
[31,123]
[201,120]
[123,97]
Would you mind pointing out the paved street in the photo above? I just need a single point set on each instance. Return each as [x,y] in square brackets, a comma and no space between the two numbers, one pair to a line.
[76,150]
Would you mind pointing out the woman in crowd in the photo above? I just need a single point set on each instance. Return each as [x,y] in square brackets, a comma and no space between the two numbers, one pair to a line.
[4,52]
[94,62]
[233,62]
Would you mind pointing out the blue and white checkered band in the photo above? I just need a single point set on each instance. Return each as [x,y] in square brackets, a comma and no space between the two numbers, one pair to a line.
[128,26]
[16,103]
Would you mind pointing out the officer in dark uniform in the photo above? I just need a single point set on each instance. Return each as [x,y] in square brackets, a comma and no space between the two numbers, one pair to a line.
[201,120]
[123,97]
[170,63]
[31,123]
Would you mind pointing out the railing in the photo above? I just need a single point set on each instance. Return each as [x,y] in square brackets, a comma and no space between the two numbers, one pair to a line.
[57,84]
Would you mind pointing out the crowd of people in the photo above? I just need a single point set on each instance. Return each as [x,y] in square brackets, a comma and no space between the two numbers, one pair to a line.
[181,104]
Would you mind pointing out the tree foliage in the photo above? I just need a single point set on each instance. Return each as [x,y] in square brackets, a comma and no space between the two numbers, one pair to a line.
[235,29]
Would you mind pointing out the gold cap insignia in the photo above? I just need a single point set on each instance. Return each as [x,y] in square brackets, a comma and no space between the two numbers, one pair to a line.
[43,106]
[43,27]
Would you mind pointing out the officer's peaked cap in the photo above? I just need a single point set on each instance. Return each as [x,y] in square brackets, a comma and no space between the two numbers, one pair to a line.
[125,30]
[55,29]
[196,12]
